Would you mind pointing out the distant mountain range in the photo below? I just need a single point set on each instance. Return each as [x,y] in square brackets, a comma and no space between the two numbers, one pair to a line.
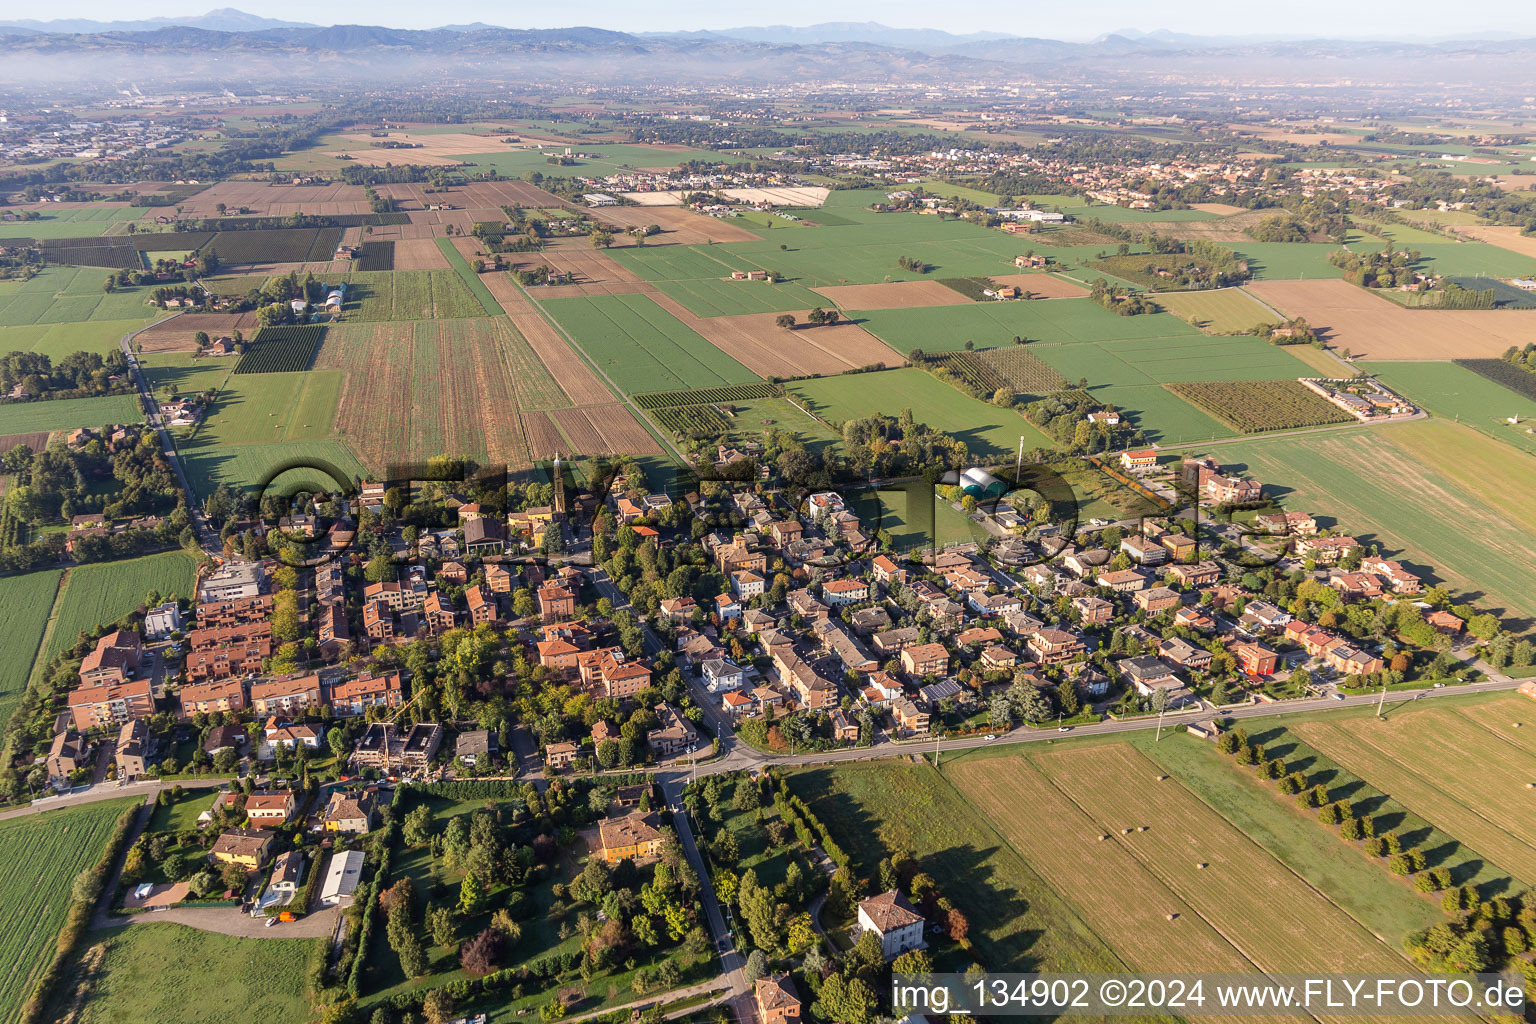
[226,19]
[851,51]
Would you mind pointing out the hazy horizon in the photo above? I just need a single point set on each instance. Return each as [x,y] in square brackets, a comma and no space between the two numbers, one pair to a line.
[1412,20]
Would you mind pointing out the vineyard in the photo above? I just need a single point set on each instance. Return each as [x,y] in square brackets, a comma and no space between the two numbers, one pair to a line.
[280,245]
[702,421]
[1025,372]
[282,349]
[1251,406]
[974,373]
[39,858]
[1505,374]
[376,256]
[708,396]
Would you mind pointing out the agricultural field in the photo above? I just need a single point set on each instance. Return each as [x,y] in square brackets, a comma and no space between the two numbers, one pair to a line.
[972,369]
[1457,391]
[68,413]
[1023,370]
[642,347]
[246,466]
[76,222]
[1503,373]
[40,855]
[93,595]
[162,971]
[276,245]
[256,408]
[990,432]
[1470,522]
[894,295]
[408,295]
[1369,326]
[281,350]
[1218,311]
[377,256]
[992,324]
[1019,921]
[1449,769]
[1251,406]
[28,601]
[705,396]
[450,386]
[62,295]
[471,280]
[59,340]
[1192,859]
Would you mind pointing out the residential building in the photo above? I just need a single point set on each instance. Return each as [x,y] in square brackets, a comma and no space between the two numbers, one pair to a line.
[893,918]
[911,719]
[1094,611]
[115,659]
[1255,659]
[1157,600]
[292,735]
[1053,646]
[342,876]
[1148,674]
[217,696]
[560,754]
[350,810]
[556,603]
[1144,458]
[1144,551]
[1183,653]
[844,591]
[721,675]
[482,605]
[133,749]
[270,809]
[673,735]
[234,581]
[777,1001]
[355,696]
[925,660]
[96,707]
[474,746]
[162,620]
[248,848]
[1195,574]
[68,752]
[1325,550]
[1123,581]
[285,697]
[633,837]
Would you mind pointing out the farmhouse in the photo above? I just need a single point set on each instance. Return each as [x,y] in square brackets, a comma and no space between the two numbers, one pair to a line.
[633,837]
[893,918]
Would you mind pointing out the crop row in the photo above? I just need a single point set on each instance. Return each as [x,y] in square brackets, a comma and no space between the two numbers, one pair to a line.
[708,396]
[702,421]
[282,349]
[1026,372]
[1250,406]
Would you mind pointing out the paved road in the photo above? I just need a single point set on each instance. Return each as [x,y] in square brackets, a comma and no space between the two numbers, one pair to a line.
[206,538]
[731,961]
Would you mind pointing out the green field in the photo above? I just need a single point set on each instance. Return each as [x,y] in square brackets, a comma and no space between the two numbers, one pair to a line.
[28,601]
[247,466]
[59,340]
[40,855]
[471,279]
[990,432]
[1219,311]
[409,295]
[68,413]
[990,324]
[1455,391]
[1436,494]
[60,295]
[77,223]
[642,346]
[164,972]
[258,408]
[96,594]
[514,163]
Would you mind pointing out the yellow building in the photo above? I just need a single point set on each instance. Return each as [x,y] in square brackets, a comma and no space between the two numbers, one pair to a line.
[633,836]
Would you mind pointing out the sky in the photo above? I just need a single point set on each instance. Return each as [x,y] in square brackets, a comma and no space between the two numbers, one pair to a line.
[1080,21]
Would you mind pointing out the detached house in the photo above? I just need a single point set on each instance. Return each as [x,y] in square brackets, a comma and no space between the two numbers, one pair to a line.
[897,923]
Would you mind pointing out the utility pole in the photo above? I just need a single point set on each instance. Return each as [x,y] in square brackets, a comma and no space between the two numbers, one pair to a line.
[1382,703]
[1160,713]
[1018,467]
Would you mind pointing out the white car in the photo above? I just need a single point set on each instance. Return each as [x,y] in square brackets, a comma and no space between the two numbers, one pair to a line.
[991,737]
[1098,522]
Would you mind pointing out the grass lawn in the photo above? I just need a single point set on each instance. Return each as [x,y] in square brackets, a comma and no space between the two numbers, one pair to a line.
[68,413]
[1467,397]
[181,815]
[249,465]
[1472,513]
[165,971]
[990,432]
[40,855]
[642,346]
[28,601]
[106,591]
